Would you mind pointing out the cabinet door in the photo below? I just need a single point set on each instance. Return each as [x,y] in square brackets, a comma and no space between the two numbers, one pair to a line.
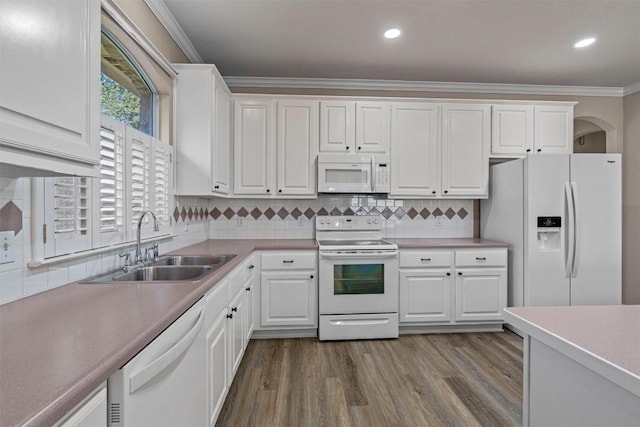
[480,294]
[337,126]
[236,332]
[372,127]
[512,129]
[222,140]
[414,149]
[50,84]
[288,299]
[465,150]
[297,147]
[425,295]
[217,353]
[253,147]
[553,132]
[92,413]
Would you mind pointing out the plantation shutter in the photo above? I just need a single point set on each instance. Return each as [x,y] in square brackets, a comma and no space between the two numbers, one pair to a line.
[139,147]
[67,208]
[162,184]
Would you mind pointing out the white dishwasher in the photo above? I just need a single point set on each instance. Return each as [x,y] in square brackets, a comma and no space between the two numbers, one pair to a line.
[164,384]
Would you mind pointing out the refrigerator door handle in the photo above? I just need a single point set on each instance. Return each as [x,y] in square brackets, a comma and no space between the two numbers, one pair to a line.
[570,236]
[576,237]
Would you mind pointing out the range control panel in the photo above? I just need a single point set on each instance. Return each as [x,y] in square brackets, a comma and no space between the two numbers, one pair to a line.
[349,222]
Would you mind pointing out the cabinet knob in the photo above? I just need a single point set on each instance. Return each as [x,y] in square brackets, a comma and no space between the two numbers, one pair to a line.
[234,309]
[216,187]
[359,148]
[279,191]
[459,273]
[230,316]
[311,276]
[448,274]
[539,150]
[248,289]
[433,192]
[251,267]
[268,191]
[347,148]
[446,191]
[528,150]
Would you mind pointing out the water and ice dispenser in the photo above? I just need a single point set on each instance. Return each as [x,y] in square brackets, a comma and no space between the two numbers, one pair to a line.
[549,237]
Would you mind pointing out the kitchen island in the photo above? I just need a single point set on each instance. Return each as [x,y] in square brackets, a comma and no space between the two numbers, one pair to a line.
[581,364]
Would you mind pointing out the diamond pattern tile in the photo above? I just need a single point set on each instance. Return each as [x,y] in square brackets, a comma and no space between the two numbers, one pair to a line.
[296,213]
[256,213]
[309,213]
[387,213]
[399,213]
[183,214]
[215,213]
[196,214]
[348,211]
[190,214]
[269,213]
[176,214]
[424,213]
[362,212]
[462,213]
[283,213]
[202,213]
[242,212]
[412,213]
[450,213]
[206,213]
[335,211]
[228,213]
[437,212]
[322,211]
[374,211]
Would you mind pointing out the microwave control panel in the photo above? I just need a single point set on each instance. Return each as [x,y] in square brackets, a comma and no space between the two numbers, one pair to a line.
[381,171]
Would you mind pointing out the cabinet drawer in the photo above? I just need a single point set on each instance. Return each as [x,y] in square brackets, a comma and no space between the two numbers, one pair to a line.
[481,257]
[426,258]
[289,261]
[216,301]
[237,279]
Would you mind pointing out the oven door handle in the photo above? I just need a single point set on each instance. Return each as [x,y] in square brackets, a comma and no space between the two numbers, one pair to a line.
[330,255]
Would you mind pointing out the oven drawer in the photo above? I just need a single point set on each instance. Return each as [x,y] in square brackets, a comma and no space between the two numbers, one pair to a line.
[289,260]
[358,326]
[426,258]
[481,258]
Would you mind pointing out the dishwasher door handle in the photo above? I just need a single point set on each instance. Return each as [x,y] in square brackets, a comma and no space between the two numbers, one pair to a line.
[154,368]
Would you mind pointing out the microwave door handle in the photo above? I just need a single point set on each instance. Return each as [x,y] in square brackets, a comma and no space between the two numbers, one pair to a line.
[359,255]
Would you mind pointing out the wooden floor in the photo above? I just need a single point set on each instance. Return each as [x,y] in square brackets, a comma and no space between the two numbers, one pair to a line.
[416,380]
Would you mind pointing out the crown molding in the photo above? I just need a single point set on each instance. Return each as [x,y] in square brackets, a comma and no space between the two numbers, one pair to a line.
[364,84]
[161,11]
[631,89]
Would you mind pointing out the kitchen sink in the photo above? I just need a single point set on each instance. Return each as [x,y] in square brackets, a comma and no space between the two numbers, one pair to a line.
[214,261]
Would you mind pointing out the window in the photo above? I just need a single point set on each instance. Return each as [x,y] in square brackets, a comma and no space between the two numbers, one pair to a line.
[126,95]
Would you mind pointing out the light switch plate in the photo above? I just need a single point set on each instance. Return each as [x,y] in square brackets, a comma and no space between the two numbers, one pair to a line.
[7,250]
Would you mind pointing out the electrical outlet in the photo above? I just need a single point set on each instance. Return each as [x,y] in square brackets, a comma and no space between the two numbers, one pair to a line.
[7,250]
[439,223]
[240,221]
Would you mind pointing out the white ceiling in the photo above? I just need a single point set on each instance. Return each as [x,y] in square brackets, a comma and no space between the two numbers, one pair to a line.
[526,42]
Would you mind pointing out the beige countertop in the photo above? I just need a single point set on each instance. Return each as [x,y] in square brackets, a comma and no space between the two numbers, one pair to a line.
[604,338]
[58,346]
[451,243]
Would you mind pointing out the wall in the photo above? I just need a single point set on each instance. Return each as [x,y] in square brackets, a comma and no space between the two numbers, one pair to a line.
[631,201]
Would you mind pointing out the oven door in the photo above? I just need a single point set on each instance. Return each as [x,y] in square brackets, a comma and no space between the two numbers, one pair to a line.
[363,282]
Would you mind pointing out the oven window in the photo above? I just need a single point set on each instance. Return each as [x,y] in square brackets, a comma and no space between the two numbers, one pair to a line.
[358,279]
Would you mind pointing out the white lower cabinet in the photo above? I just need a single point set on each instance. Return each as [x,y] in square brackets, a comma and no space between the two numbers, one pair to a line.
[236,331]
[91,412]
[217,355]
[452,287]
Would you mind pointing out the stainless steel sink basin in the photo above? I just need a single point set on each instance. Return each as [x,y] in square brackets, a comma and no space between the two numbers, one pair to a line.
[155,273]
[214,261]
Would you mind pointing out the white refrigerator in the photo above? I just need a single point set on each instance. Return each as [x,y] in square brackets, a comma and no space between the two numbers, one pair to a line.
[562,216]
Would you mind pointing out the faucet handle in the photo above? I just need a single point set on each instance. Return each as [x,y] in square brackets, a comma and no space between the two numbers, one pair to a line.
[155,251]
[147,253]
[127,259]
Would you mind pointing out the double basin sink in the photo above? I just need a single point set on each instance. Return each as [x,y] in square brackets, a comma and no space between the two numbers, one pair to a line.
[174,268]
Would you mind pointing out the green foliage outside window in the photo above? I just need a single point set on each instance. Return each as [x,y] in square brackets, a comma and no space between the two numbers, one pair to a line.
[119,103]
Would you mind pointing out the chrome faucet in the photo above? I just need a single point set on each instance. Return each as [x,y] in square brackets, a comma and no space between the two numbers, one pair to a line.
[138,257]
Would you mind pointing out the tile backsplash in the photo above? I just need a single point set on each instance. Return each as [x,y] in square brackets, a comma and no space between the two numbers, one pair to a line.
[295,218]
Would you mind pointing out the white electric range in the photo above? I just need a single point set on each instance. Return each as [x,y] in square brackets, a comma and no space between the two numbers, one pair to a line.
[357,279]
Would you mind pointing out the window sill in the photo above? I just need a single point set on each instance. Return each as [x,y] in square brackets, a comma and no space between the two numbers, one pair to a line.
[82,254]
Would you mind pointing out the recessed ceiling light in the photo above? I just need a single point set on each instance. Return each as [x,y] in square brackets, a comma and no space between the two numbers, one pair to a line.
[392,33]
[585,42]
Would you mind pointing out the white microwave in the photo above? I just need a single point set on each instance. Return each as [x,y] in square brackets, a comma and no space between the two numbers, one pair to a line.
[353,173]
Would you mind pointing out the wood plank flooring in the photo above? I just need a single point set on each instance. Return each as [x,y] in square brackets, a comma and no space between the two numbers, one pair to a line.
[416,380]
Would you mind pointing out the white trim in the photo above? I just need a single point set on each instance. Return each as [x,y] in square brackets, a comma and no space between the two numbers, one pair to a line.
[166,18]
[631,89]
[134,32]
[364,84]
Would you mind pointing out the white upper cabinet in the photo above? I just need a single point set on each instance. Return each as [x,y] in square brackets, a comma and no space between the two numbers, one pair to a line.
[512,127]
[202,131]
[414,149]
[466,133]
[522,129]
[354,127]
[553,132]
[297,147]
[49,87]
[337,126]
[254,134]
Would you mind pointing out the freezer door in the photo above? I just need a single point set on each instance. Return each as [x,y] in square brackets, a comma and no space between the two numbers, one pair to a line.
[545,278]
[597,189]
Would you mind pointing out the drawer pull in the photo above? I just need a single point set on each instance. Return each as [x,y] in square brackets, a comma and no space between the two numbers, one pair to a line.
[448,274]
[230,316]
[251,267]
[459,273]
[248,289]
[287,261]
[425,259]
[481,258]
[234,309]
